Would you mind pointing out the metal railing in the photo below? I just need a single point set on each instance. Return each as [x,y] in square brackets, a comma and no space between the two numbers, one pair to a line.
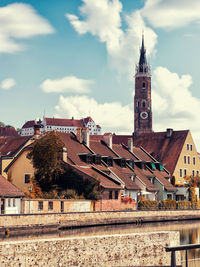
[180,248]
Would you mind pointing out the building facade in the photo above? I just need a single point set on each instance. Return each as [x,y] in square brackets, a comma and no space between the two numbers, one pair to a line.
[60,125]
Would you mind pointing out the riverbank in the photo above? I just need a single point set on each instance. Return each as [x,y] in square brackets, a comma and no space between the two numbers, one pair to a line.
[83,219]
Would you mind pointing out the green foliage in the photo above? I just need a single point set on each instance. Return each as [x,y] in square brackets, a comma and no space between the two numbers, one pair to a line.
[46,156]
[2,124]
[68,194]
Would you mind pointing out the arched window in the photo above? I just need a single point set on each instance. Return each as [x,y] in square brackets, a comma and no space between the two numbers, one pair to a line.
[143,85]
[143,104]
[138,103]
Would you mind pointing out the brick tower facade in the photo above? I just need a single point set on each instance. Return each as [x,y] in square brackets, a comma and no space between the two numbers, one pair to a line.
[142,99]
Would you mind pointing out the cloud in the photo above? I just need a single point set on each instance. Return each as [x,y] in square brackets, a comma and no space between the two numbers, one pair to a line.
[68,84]
[103,20]
[171,14]
[173,104]
[110,116]
[20,21]
[7,83]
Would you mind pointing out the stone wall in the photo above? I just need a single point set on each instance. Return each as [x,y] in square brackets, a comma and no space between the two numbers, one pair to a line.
[93,218]
[144,249]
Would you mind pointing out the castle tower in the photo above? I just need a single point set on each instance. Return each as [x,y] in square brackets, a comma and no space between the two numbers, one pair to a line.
[142,99]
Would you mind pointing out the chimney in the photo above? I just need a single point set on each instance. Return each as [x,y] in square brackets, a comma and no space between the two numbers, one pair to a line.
[169,132]
[86,136]
[79,134]
[107,138]
[64,154]
[36,130]
[130,144]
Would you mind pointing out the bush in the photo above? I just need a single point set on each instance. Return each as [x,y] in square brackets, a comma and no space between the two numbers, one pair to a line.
[148,204]
[184,205]
[168,204]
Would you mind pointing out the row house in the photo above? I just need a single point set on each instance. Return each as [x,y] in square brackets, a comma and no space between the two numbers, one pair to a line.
[122,171]
[60,125]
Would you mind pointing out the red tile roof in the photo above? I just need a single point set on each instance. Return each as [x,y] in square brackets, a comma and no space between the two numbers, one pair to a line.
[161,177]
[162,148]
[9,146]
[7,189]
[64,122]
[121,139]
[142,176]
[122,152]
[8,131]
[74,148]
[100,148]
[105,181]
[86,120]
[28,124]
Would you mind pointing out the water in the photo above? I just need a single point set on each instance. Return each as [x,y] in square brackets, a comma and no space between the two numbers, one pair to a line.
[189,234]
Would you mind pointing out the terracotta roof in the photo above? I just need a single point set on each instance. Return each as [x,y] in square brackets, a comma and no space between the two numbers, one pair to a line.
[9,146]
[122,152]
[100,148]
[142,176]
[162,148]
[121,139]
[28,124]
[105,181]
[8,131]
[161,177]
[7,189]
[64,122]
[96,137]
[74,148]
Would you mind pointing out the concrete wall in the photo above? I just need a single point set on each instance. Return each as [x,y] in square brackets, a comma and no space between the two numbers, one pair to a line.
[109,250]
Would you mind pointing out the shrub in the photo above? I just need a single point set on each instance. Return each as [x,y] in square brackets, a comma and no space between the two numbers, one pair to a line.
[148,204]
[169,204]
[184,205]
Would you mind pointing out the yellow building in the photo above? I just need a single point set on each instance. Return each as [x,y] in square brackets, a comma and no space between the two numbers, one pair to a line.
[175,149]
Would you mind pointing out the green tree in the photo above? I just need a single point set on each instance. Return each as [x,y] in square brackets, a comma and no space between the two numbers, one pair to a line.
[46,156]
[2,124]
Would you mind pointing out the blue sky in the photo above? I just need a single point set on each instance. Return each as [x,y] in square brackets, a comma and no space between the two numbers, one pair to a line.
[77,58]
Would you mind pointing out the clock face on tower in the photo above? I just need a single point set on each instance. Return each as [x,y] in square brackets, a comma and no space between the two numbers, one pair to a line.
[144,115]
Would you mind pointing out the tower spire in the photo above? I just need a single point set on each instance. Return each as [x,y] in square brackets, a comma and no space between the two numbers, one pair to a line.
[143,66]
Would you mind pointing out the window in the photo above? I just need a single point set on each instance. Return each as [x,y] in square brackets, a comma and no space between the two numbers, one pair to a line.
[188,147]
[185,172]
[188,159]
[50,205]
[194,160]
[191,147]
[185,159]
[193,173]
[9,202]
[169,196]
[143,85]
[123,163]
[14,204]
[116,194]
[27,178]
[197,173]
[143,104]
[110,194]
[181,173]
[40,205]
[61,206]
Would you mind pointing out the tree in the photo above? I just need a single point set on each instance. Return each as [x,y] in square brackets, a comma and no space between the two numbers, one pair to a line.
[46,156]
[2,124]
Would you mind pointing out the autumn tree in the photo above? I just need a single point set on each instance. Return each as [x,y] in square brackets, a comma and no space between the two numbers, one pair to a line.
[46,156]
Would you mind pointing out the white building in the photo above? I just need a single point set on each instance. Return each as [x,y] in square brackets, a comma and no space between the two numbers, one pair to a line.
[61,125]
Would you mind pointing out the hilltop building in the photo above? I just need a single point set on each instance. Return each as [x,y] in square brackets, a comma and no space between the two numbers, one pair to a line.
[61,125]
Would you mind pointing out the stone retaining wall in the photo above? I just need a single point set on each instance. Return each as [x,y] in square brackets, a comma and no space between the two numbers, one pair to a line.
[93,218]
[144,249]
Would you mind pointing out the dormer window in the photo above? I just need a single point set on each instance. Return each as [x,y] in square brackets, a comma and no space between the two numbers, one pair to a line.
[97,159]
[89,159]
[123,163]
[108,160]
[153,166]
[131,163]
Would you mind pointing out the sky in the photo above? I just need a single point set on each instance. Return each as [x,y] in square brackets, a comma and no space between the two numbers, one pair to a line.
[76,58]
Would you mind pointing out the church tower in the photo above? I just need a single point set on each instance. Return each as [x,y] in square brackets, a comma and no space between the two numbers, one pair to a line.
[142,99]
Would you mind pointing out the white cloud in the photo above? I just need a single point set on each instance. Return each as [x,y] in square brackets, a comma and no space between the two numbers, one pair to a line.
[69,84]
[20,21]
[7,83]
[103,20]
[173,104]
[110,116]
[171,14]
